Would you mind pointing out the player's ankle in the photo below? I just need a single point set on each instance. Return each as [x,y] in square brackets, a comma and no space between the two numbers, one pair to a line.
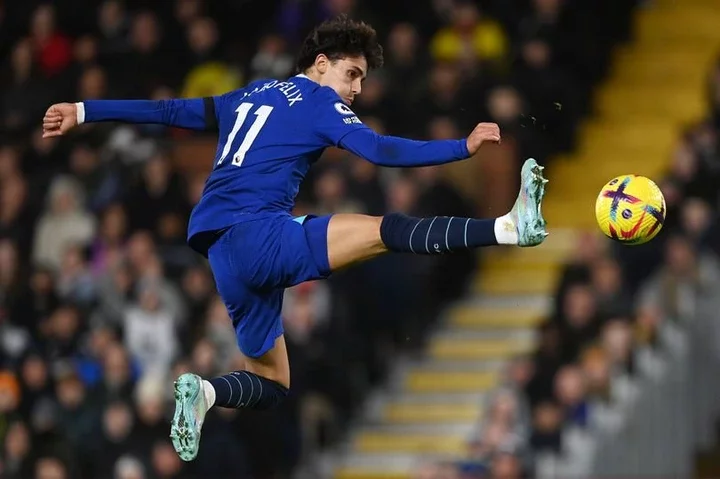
[209,392]
[506,230]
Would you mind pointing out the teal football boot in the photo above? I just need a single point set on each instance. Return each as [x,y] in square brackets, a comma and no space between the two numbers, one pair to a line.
[190,410]
[527,211]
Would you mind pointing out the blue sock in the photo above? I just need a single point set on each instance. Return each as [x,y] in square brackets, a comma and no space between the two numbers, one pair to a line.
[242,389]
[436,235]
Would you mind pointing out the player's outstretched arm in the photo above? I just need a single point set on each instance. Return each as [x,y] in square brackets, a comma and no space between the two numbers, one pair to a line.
[193,113]
[393,151]
[338,125]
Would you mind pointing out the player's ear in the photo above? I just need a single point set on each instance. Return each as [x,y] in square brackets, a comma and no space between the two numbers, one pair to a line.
[322,63]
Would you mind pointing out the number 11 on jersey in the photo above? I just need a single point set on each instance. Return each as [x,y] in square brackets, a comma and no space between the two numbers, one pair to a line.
[261,116]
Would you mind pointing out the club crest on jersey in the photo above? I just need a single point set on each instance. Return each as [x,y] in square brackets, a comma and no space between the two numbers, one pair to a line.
[343,109]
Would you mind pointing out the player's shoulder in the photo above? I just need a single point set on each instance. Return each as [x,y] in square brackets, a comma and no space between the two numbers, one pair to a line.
[313,88]
[326,99]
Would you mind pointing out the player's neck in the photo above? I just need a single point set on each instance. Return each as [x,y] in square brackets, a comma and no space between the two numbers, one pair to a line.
[311,75]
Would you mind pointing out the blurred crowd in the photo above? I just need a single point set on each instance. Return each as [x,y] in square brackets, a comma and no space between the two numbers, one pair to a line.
[102,304]
[612,309]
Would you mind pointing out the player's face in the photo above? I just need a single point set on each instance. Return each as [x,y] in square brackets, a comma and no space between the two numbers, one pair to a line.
[345,76]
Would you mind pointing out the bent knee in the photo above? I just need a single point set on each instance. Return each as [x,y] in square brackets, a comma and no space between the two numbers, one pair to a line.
[270,394]
[276,394]
[273,365]
[273,373]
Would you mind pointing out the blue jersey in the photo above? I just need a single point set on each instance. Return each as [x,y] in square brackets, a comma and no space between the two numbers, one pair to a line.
[269,135]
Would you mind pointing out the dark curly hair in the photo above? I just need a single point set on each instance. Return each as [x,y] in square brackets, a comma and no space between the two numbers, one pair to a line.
[338,38]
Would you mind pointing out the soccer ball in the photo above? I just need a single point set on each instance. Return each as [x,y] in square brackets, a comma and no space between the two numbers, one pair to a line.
[630,209]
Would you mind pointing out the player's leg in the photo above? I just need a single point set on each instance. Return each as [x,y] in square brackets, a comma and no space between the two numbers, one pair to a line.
[258,386]
[354,238]
[256,315]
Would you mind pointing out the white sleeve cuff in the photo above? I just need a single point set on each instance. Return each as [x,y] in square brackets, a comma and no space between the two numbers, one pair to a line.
[80,113]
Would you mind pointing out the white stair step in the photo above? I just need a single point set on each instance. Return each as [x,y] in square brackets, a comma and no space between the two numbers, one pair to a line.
[429,364]
[481,334]
[537,301]
[419,429]
[474,397]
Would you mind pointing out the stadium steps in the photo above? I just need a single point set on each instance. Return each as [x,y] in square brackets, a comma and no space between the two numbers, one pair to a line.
[432,406]
[657,85]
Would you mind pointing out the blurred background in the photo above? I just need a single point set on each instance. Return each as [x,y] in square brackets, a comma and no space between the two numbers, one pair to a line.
[574,359]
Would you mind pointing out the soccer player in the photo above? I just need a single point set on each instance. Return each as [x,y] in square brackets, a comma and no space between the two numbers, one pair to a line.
[270,134]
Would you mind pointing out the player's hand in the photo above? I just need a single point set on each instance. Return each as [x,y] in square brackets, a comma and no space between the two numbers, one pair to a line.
[59,119]
[483,132]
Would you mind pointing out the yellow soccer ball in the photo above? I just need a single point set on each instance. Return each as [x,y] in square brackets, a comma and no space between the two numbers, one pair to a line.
[630,209]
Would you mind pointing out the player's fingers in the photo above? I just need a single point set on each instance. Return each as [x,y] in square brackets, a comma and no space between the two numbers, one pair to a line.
[52,133]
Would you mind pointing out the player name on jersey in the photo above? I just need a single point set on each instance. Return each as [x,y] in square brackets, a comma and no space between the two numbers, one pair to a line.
[287,88]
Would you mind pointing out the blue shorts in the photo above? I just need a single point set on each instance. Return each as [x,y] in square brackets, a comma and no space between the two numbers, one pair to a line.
[254,261]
